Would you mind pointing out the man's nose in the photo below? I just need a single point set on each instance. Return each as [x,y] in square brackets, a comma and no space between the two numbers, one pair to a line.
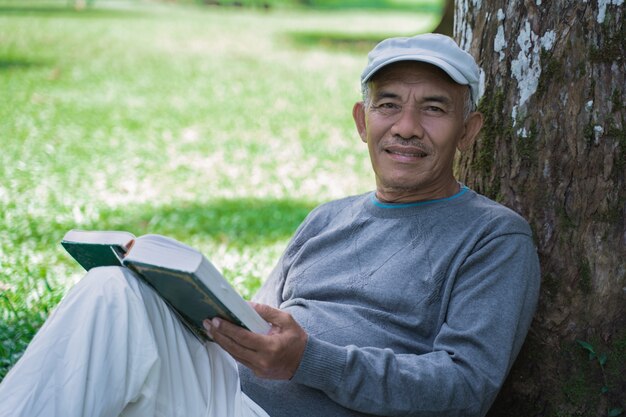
[408,124]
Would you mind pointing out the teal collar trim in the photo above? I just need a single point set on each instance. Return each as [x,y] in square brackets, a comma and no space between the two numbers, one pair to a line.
[377,203]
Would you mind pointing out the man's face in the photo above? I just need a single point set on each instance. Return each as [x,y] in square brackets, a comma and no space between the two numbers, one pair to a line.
[412,126]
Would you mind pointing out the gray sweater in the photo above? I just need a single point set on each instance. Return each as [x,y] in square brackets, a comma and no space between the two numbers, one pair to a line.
[411,309]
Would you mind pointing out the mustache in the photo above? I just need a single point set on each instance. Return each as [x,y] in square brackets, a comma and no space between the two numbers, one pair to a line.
[412,142]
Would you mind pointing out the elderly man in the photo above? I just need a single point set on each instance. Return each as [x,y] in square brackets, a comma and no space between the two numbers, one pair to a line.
[412,300]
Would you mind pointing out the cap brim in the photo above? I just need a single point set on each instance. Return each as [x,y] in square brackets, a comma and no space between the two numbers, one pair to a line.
[447,68]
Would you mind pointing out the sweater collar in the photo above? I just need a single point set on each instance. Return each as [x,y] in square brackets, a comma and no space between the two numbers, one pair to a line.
[381,209]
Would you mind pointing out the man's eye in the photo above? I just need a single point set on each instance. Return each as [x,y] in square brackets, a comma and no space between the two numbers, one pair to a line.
[434,109]
[387,107]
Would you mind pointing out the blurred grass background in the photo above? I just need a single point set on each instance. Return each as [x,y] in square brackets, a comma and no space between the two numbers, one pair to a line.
[220,126]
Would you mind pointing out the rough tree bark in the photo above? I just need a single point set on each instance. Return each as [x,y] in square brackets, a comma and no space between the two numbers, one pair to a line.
[554,149]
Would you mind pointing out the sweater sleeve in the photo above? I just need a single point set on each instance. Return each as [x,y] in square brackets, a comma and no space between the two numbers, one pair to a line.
[490,309]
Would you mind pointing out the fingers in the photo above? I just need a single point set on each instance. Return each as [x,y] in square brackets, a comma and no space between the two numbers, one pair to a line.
[276,355]
[268,313]
[217,328]
[278,318]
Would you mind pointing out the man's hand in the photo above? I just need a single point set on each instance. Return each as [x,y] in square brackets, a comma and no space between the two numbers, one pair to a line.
[276,355]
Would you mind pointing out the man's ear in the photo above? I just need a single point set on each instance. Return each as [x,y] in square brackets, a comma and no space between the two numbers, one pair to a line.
[358,113]
[473,124]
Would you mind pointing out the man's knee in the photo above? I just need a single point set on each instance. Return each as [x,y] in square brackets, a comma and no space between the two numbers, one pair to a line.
[109,279]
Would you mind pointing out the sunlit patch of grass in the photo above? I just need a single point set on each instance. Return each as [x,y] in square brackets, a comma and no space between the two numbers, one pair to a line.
[205,124]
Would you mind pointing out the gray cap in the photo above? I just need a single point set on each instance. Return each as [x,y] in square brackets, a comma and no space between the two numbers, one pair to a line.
[439,50]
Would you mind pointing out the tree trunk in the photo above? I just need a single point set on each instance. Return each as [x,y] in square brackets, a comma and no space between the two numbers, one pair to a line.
[553,148]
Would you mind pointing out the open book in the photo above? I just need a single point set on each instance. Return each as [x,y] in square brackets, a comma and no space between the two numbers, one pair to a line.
[181,275]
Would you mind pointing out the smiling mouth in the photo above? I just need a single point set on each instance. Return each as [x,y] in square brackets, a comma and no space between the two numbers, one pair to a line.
[406,152]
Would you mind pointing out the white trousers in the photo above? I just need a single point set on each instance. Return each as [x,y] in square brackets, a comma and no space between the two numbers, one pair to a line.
[112,347]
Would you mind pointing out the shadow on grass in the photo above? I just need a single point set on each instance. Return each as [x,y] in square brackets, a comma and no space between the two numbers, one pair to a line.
[382,5]
[65,10]
[7,64]
[234,222]
[335,41]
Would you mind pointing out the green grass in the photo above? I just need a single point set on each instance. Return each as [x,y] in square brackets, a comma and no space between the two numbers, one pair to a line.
[220,127]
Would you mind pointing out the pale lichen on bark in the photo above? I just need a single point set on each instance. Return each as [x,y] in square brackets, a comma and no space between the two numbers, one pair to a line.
[602,5]
[526,68]
[499,43]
